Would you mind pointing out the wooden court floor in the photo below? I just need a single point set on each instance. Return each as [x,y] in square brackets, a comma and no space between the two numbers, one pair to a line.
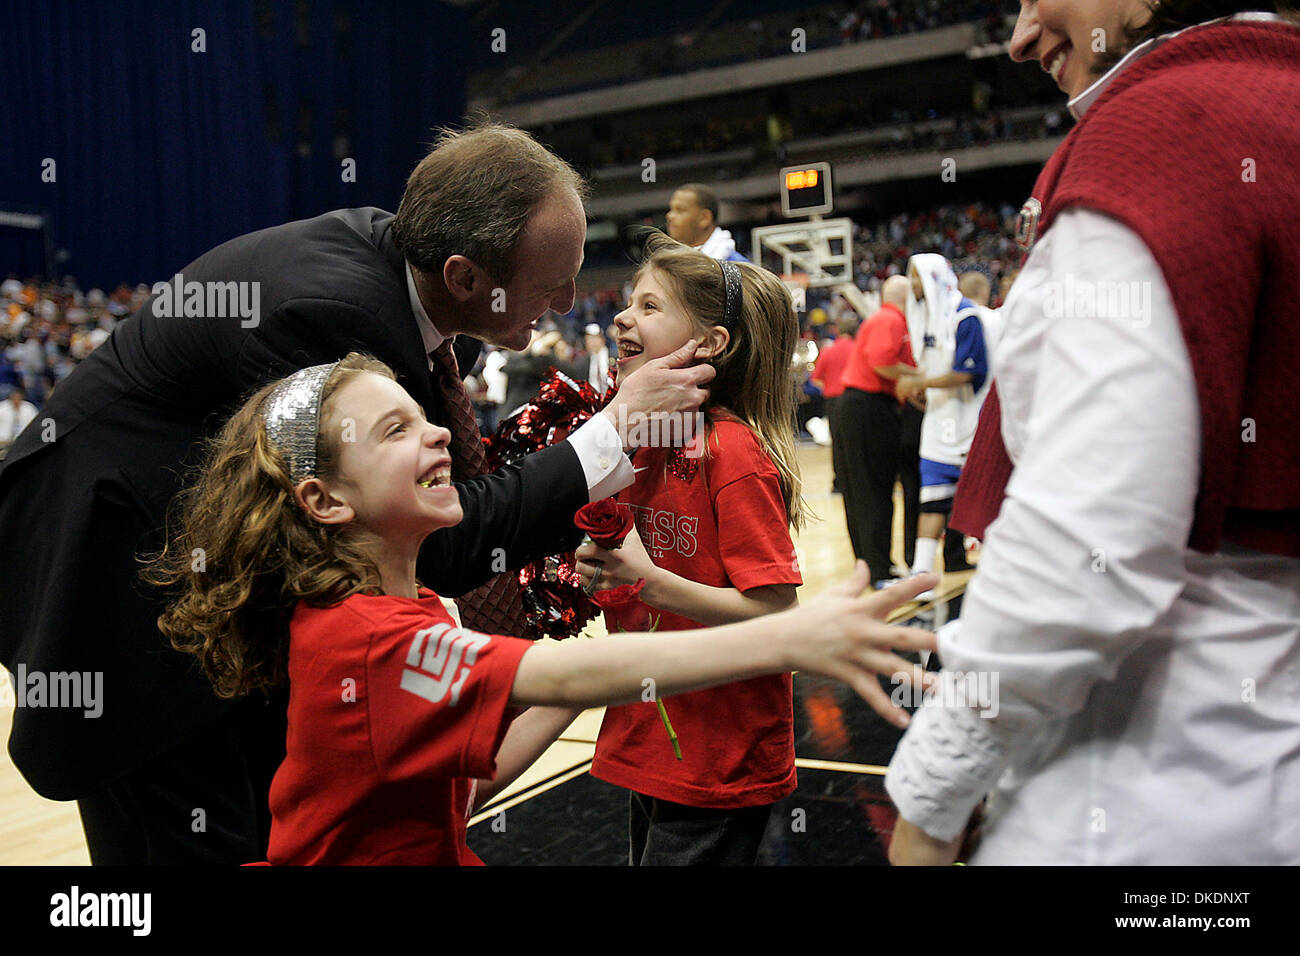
[841,752]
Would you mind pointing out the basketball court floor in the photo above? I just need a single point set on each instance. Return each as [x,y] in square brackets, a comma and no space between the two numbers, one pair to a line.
[558,814]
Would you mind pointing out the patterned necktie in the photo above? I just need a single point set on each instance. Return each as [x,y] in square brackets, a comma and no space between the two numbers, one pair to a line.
[494,607]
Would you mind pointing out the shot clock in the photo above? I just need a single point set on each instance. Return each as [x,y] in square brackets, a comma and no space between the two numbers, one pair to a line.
[806,190]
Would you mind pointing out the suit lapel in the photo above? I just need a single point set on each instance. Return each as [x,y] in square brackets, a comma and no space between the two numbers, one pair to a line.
[414,361]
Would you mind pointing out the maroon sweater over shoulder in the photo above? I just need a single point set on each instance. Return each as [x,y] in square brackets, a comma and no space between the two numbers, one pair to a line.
[1196,148]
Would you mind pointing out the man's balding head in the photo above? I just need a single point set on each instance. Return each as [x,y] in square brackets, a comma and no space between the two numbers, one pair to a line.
[493,226]
[976,287]
[474,195]
[894,291]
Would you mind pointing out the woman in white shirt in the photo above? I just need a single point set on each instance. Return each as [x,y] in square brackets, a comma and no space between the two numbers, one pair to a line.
[1145,702]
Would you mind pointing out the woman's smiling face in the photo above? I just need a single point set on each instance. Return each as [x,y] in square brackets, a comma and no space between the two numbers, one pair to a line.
[1067,37]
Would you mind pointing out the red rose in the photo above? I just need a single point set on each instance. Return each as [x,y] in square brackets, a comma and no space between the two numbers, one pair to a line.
[615,598]
[606,522]
[625,602]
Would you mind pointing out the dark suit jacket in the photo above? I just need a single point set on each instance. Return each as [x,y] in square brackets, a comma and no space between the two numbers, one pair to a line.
[75,510]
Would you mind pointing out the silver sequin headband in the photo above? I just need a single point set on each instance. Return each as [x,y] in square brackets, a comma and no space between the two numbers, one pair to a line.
[293,418]
[734,290]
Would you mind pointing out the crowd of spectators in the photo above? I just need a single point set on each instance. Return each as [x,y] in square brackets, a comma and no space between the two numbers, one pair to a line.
[46,328]
[975,235]
[824,26]
[769,138]
[682,46]
[873,19]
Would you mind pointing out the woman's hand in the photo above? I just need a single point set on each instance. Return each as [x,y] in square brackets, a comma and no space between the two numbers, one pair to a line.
[843,635]
[624,565]
[912,846]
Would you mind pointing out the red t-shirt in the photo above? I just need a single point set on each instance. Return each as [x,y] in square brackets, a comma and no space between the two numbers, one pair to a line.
[725,527]
[393,713]
[882,340]
[829,369]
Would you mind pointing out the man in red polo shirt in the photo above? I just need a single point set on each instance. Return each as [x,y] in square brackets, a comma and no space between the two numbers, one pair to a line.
[828,375]
[869,426]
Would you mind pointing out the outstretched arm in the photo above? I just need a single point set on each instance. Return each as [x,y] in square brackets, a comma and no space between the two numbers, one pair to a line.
[839,634]
[671,592]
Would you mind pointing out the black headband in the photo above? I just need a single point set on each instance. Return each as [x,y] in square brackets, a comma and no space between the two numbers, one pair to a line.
[635,239]
[735,295]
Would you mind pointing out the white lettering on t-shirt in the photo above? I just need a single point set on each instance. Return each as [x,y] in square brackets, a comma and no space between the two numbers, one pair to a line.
[441,656]
[686,528]
[663,535]
[662,531]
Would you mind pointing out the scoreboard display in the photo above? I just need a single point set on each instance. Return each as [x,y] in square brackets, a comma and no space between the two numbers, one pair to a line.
[806,190]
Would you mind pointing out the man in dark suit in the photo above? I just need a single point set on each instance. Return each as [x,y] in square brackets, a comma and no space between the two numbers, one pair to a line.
[489,235]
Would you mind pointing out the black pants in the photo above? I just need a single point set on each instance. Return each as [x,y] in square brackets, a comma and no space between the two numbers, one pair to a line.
[663,833]
[909,476]
[832,409]
[870,427]
[202,803]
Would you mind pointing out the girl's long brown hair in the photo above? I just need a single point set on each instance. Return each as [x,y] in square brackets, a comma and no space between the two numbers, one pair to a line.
[755,380]
[243,553]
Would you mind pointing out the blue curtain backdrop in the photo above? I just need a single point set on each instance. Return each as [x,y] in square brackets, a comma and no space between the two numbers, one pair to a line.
[161,152]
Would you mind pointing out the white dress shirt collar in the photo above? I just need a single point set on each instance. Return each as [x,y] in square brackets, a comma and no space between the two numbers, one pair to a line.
[428,332]
[1079,105]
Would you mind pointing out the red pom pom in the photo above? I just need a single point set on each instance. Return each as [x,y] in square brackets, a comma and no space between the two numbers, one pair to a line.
[554,601]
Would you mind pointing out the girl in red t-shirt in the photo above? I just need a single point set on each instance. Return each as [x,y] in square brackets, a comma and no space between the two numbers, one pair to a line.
[713,546]
[295,560]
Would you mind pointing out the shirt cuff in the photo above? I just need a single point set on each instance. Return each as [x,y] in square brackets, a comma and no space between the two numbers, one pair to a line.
[943,767]
[600,451]
[953,752]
